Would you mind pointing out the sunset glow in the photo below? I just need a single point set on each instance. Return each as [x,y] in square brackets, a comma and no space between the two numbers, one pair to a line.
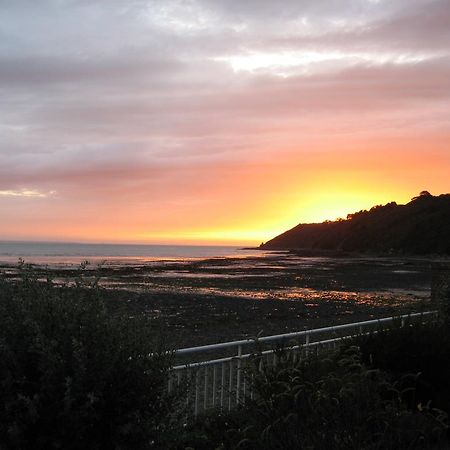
[216,122]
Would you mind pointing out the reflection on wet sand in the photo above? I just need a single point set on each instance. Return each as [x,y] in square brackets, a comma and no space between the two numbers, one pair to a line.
[227,298]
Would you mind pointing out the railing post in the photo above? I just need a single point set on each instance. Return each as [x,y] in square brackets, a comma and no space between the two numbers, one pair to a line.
[188,387]
[196,394]
[214,385]
[238,374]
[169,383]
[230,385]
[222,386]
[244,390]
[306,343]
[205,391]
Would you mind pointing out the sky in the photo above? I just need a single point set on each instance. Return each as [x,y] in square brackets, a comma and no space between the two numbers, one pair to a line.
[216,121]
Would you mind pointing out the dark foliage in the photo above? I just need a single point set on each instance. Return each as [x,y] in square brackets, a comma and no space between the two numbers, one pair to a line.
[422,349]
[334,402]
[75,376]
[419,227]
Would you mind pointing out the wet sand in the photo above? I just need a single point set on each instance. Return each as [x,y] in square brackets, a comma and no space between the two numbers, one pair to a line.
[195,302]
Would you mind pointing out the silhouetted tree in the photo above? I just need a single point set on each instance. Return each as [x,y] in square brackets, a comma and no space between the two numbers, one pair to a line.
[422,195]
[419,227]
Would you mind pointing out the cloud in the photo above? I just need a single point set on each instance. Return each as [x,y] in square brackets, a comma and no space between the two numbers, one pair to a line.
[28,193]
[148,101]
[65,71]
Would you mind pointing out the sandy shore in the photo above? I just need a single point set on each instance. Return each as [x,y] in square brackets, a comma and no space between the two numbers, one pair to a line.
[193,302]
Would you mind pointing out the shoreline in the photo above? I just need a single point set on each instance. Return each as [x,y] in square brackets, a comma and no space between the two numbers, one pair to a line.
[314,253]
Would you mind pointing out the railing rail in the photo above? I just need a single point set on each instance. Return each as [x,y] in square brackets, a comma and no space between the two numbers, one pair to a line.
[220,381]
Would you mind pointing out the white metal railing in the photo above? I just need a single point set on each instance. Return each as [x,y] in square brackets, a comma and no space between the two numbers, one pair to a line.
[219,381]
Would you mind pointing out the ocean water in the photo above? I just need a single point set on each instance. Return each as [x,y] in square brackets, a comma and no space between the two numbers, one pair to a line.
[74,253]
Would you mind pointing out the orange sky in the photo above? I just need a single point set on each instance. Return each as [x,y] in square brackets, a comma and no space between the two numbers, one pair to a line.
[216,122]
[242,204]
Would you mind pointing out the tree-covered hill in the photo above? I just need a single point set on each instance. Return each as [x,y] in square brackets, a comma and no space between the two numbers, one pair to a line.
[422,226]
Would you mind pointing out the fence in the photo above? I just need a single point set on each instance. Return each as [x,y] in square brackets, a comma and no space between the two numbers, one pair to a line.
[220,380]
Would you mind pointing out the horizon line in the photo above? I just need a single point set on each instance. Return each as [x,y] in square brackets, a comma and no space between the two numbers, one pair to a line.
[31,241]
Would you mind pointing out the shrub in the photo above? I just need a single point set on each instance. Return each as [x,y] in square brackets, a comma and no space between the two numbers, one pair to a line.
[335,402]
[322,402]
[73,375]
[422,349]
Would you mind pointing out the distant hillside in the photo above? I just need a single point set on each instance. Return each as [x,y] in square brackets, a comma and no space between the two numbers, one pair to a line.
[422,226]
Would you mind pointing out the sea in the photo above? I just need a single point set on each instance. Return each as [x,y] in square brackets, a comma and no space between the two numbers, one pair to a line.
[51,253]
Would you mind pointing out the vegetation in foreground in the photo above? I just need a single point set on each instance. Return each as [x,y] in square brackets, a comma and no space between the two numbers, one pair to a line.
[74,375]
[387,390]
[335,402]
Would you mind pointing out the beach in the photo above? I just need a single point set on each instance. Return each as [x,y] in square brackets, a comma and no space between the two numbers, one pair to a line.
[202,299]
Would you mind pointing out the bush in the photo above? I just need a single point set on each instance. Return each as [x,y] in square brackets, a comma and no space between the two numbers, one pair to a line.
[327,402]
[421,349]
[73,375]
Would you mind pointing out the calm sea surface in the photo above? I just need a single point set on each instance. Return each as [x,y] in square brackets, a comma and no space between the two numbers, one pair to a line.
[48,253]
